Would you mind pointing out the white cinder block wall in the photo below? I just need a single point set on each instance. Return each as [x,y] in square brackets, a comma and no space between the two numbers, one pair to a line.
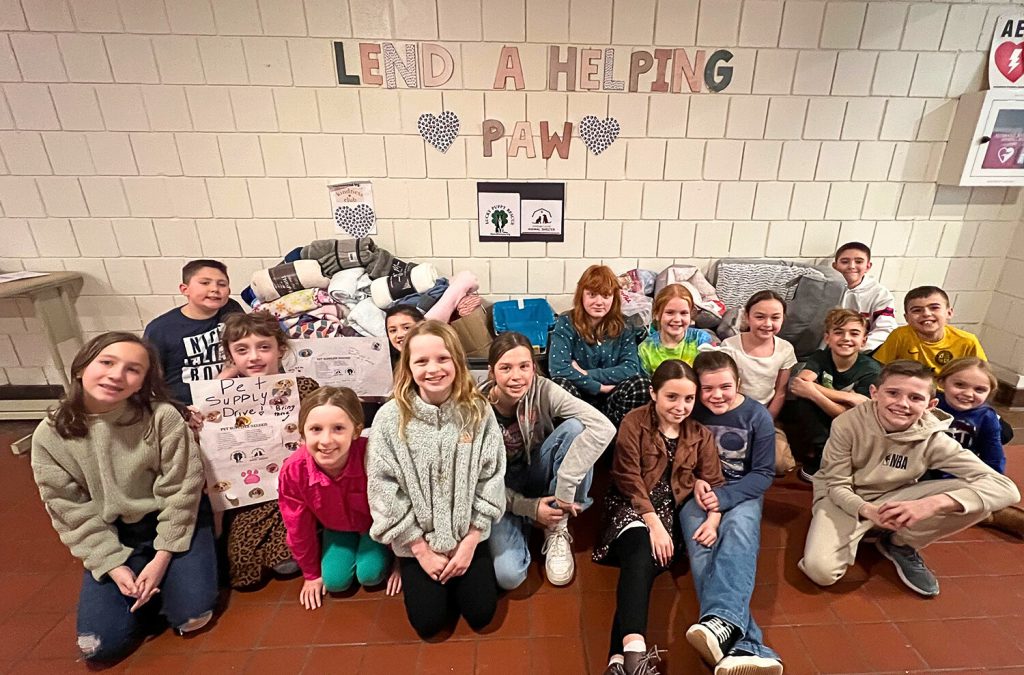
[136,134]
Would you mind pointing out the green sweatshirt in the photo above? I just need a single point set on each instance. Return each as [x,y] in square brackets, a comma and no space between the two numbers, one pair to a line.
[119,472]
[862,463]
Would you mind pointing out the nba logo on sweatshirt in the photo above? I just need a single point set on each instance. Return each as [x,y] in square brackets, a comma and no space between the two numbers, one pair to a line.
[895,461]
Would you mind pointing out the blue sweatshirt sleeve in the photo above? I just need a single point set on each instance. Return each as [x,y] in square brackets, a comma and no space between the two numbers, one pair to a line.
[989,441]
[762,462]
[627,361]
[560,358]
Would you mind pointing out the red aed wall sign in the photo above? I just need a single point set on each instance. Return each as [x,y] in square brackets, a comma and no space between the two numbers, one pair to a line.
[1006,57]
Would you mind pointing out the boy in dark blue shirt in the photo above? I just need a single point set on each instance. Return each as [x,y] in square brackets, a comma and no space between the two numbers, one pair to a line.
[188,337]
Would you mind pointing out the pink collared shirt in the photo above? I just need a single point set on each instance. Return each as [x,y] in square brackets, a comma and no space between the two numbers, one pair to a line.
[307,495]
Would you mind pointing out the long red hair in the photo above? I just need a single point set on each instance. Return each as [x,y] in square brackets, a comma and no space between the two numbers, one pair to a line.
[601,280]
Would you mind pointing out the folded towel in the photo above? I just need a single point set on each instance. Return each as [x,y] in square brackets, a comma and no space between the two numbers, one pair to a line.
[459,286]
[297,303]
[468,304]
[344,287]
[367,319]
[426,300]
[271,284]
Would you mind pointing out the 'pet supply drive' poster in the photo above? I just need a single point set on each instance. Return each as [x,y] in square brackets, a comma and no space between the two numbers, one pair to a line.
[363,364]
[250,425]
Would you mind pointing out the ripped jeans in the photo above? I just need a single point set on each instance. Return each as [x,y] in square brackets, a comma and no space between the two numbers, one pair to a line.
[107,630]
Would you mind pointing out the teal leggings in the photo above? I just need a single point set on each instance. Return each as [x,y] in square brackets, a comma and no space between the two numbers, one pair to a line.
[350,555]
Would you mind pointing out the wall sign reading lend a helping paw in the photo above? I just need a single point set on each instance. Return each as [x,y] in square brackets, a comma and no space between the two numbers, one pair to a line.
[440,131]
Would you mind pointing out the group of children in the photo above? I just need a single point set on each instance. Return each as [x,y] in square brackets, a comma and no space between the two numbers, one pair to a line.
[440,499]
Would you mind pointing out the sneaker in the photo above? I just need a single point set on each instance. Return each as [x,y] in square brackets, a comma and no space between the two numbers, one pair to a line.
[287,567]
[642,663]
[713,638]
[910,566]
[1009,520]
[558,564]
[747,664]
[805,475]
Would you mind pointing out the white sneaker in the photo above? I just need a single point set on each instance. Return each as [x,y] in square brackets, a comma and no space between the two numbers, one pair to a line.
[748,665]
[558,563]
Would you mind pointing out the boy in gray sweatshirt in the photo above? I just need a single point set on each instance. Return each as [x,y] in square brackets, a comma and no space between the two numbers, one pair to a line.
[870,479]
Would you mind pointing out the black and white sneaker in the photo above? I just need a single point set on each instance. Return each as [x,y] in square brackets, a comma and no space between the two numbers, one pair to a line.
[713,638]
[748,664]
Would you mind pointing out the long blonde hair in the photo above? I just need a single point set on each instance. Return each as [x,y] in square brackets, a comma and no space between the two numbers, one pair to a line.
[470,405]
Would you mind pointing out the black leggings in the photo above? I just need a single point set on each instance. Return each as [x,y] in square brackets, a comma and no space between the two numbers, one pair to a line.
[637,569]
[431,605]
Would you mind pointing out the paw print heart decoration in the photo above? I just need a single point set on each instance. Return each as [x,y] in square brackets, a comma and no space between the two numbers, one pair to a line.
[441,130]
[356,220]
[597,134]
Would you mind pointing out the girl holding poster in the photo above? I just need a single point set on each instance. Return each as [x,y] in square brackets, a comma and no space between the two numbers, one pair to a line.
[122,479]
[253,345]
[324,484]
[436,482]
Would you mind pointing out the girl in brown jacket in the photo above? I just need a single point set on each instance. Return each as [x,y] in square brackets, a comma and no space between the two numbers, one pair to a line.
[661,458]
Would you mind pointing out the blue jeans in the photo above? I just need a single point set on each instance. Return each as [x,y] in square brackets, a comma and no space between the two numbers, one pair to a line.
[723,575]
[107,630]
[509,536]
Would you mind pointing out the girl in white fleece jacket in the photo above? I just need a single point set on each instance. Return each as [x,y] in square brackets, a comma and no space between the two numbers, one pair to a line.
[436,482]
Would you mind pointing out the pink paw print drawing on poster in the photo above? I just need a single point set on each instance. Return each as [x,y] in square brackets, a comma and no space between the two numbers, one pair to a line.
[251,476]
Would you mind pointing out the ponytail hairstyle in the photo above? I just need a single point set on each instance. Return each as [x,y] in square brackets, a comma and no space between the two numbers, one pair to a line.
[762,296]
[716,359]
[601,280]
[70,416]
[670,292]
[673,369]
[470,404]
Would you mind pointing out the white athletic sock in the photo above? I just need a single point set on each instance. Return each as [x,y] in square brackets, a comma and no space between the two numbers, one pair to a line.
[636,646]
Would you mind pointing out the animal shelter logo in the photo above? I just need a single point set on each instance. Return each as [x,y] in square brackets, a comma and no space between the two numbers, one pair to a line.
[501,218]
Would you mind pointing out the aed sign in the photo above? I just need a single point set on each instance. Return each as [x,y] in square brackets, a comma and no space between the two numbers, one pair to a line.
[1006,57]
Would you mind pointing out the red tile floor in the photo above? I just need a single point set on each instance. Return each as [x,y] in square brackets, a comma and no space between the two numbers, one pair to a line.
[868,623]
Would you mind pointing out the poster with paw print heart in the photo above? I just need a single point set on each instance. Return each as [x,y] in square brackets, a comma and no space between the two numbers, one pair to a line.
[352,208]
[250,427]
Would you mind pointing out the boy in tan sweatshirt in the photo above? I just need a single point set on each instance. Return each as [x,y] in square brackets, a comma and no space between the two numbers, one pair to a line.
[870,478]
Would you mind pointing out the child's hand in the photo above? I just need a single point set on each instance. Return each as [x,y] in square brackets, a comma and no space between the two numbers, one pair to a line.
[706,534]
[147,584]
[871,512]
[125,580]
[607,388]
[432,562]
[394,580]
[312,591]
[548,515]
[195,419]
[463,556]
[898,515]
[705,495]
[801,387]
[577,367]
[661,542]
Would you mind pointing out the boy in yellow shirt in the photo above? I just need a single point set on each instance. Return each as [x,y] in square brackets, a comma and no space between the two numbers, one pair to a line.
[927,338]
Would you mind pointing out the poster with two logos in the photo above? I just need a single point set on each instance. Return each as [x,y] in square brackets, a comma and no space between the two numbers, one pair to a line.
[521,211]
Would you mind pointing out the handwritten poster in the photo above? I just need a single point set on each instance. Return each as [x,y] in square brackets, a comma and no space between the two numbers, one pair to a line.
[250,425]
[363,364]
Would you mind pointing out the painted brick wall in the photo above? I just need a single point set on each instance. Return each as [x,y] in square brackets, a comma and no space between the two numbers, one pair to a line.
[137,134]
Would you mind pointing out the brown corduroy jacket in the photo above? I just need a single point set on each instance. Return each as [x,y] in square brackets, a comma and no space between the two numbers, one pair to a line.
[640,458]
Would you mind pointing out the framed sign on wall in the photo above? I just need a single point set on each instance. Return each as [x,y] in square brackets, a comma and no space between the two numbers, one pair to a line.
[521,211]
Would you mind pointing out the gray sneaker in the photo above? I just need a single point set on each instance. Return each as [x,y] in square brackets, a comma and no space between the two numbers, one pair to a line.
[909,565]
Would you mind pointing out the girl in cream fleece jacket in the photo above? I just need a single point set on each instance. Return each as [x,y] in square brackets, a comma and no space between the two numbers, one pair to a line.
[436,481]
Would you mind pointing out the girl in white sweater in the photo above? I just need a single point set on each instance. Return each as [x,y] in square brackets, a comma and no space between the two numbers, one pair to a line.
[436,482]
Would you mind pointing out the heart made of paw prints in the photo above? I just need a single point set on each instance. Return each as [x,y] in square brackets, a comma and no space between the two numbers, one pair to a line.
[440,131]
[357,220]
[598,134]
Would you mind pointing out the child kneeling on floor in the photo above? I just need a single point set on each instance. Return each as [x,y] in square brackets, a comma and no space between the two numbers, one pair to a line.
[121,479]
[324,483]
[870,478]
